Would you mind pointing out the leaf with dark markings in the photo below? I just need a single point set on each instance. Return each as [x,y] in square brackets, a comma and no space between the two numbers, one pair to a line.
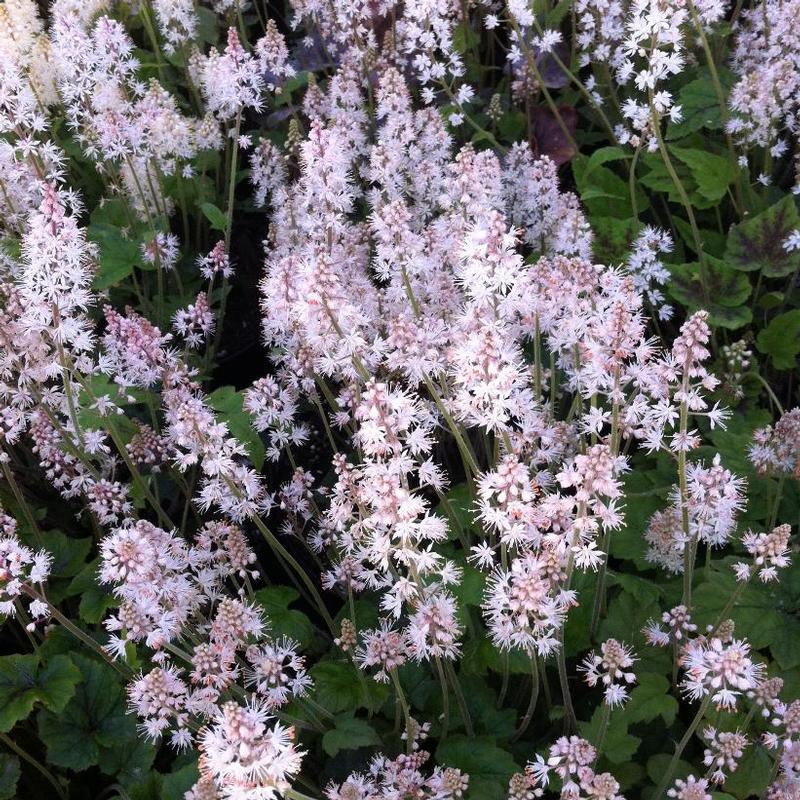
[757,243]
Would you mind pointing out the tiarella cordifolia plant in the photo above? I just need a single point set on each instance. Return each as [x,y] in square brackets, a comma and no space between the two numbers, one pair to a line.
[398,400]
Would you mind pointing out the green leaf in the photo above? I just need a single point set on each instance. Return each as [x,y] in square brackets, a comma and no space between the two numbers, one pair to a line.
[459,505]
[650,699]
[69,555]
[643,590]
[9,775]
[488,719]
[215,216]
[350,733]
[731,318]
[110,212]
[576,629]
[712,173]
[700,106]
[148,789]
[177,783]
[339,687]
[726,291]
[283,620]
[613,238]
[464,38]
[618,745]
[732,441]
[418,684]
[603,155]
[659,179]
[657,765]
[786,646]
[469,591]
[603,192]
[511,125]
[629,775]
[764,614]
[489,767]
[207,28]
[769,300]
[93,719]
[24,682]
[713,242]
[645,495]
[118,254]
[556,15]
[96,599]
[627,616]
[228,403]
[757,243]
[129,763]
[781,339]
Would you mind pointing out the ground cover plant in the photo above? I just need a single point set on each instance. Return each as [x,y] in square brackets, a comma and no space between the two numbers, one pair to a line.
[399,399]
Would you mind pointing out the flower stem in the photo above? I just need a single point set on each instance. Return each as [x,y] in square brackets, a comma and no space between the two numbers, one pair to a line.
[605,719]
[301,573]
[526,720]
[76,631]
[670,771]
[445,699]
[570,720]
[460,699]
[698,241]
[293,794]
[401,699]
[51,779]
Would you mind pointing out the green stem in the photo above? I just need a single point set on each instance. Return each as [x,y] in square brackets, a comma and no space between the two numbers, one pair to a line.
[776,504]
[401,699]
[460,699]
[723,107]
[600,591]
[463,445]
[698,241]
[670,771]
[136,476]
[293,794]
[51,779]
[773,397]
[605,718]
[526,720]
[301,573]
[729,606]
[632,182]
[688,564]
[570,720]
[445,698]
[151,34]
[504,686]
[23,503]
[587,95]
[75,630]
[232,181]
